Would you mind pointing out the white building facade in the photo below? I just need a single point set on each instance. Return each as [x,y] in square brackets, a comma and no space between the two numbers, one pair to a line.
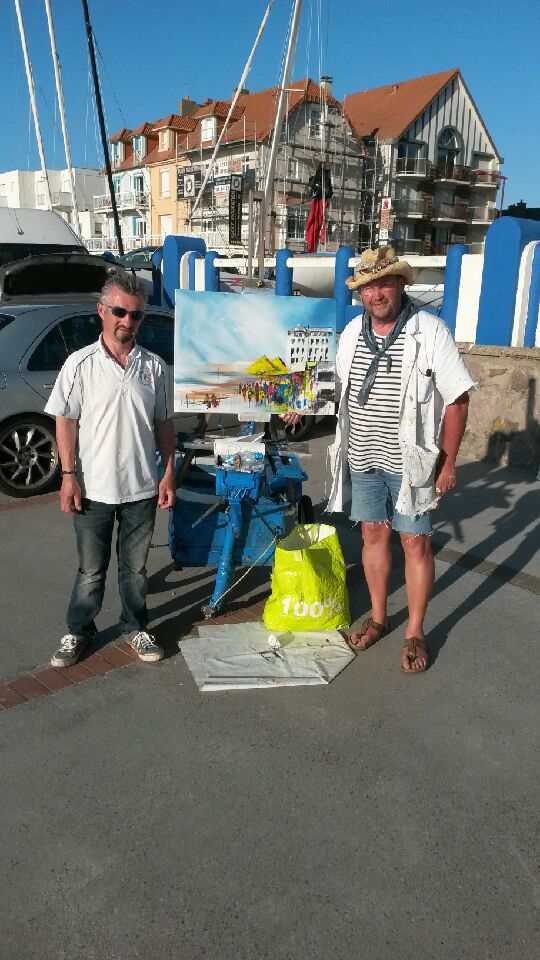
[307,345]
[27,188]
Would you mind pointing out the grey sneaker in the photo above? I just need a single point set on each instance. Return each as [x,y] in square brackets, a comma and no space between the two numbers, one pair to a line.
[72,646]
[145,646]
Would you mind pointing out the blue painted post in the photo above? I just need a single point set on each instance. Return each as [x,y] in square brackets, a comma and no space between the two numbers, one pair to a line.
[211,272]
[155,296]
[452,277]
[342,294]
[173,250]
[505,242]
[533,306]
[284,274]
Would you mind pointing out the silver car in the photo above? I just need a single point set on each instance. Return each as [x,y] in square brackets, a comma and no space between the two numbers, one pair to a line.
[35,339]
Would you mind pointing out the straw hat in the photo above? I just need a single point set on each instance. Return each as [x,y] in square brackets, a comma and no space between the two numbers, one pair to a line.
[381,262]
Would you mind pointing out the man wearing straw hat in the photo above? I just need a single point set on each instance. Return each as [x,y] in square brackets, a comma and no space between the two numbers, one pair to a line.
[401,419]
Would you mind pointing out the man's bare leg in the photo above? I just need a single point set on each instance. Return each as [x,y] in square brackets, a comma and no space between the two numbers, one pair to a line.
[377,563]
[419,576]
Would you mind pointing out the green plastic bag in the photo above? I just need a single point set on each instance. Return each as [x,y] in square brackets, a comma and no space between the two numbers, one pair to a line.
[308,582]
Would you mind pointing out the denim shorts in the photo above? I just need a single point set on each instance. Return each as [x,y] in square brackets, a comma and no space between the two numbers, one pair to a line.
[374,497]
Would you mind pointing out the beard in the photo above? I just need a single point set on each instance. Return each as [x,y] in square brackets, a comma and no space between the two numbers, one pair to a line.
[123,335]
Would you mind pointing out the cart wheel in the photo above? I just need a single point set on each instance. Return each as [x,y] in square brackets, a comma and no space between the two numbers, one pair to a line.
[305,510]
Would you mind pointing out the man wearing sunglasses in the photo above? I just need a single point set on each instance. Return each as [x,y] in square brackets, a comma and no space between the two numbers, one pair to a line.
[112,412]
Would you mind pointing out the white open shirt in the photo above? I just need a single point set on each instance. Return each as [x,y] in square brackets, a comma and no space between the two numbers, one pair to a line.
[116,408]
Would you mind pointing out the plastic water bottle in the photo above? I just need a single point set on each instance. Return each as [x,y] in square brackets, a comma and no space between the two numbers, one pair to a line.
[245,460]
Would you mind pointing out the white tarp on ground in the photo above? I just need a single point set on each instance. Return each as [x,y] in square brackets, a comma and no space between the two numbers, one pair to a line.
[240,657]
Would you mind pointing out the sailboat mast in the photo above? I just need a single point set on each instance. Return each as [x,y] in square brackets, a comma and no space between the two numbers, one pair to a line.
[32,93]
[59,92]
[267,202]
[101,119]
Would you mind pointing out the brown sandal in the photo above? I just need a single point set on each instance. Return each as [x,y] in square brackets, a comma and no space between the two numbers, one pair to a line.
[380,631]
[413,647]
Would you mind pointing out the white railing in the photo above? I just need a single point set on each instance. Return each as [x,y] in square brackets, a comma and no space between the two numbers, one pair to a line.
[130,200]
[62,199]
[101,244]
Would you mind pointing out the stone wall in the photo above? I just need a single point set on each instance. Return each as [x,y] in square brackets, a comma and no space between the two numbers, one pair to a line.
[504,414]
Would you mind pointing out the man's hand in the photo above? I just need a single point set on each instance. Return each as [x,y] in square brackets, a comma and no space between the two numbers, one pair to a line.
[167,492]
[70,495]
[445,476]
[290,419]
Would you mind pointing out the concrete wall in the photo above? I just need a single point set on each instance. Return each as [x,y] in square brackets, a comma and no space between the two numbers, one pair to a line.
[504,414]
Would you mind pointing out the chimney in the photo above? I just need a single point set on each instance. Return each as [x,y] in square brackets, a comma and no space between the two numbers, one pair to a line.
[326,85]
[394,88]
[244,92]
[186,106]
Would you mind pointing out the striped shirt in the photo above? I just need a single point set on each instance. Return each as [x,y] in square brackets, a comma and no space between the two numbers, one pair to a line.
[373,429]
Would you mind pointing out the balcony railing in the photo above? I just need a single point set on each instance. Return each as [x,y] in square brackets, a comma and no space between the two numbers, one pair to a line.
[412,167]
[450,211]
[451,171]
[62,199]
[100,244]
[421,209]
[485,178]
[482,214]
[130,200]
[410,245]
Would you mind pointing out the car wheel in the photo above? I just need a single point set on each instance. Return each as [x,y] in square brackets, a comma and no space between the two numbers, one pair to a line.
[29,461]
[302,430]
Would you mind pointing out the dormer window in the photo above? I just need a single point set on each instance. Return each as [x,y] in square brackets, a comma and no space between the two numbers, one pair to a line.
[165,140]
[208,130]
[139,148]
[117,152]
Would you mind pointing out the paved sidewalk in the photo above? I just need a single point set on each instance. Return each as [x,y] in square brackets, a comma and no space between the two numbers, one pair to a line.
[383,816]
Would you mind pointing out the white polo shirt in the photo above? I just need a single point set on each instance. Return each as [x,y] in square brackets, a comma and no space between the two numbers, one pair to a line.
[116,408]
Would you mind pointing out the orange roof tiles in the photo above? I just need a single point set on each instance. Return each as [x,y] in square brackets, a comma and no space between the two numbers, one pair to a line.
[124,136]
[385,112]
[255,113]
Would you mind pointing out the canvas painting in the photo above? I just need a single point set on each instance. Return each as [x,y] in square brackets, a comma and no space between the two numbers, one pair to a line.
[250,354]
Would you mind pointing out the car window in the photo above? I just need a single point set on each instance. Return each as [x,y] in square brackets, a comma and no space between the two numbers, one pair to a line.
[156,333]
[81,330]
[50,353]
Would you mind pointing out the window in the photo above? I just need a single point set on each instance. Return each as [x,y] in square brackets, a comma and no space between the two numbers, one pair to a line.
[314,123]
[293,169]
[139,147]
[139,227]
[157,334]
[164,178]
[165,226]
[208,129]
[447,147]
[296,223]
[80,331]
[164,140]
[50,353]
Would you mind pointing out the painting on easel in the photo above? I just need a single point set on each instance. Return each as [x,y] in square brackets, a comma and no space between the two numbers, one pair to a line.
[254,354]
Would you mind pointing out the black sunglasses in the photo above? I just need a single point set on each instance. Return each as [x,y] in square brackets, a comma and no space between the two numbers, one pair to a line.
[121,312]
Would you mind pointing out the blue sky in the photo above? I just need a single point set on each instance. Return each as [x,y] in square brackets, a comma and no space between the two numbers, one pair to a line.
[155,53]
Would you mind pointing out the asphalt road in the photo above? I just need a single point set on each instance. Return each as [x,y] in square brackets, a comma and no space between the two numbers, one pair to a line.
[384,816]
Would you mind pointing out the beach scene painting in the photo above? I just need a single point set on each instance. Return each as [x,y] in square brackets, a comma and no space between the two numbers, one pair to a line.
[249,354]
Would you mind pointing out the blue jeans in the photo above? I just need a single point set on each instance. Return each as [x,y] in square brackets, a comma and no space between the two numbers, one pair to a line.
[374,497]
[94,527]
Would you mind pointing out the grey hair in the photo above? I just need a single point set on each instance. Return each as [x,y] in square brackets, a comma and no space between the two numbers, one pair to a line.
[125,281]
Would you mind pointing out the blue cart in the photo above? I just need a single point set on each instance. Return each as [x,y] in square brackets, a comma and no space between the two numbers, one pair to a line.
[228,517]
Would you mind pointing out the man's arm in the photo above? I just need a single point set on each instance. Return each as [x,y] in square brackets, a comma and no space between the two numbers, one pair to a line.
[453,428]
[66,438]
[164,432]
